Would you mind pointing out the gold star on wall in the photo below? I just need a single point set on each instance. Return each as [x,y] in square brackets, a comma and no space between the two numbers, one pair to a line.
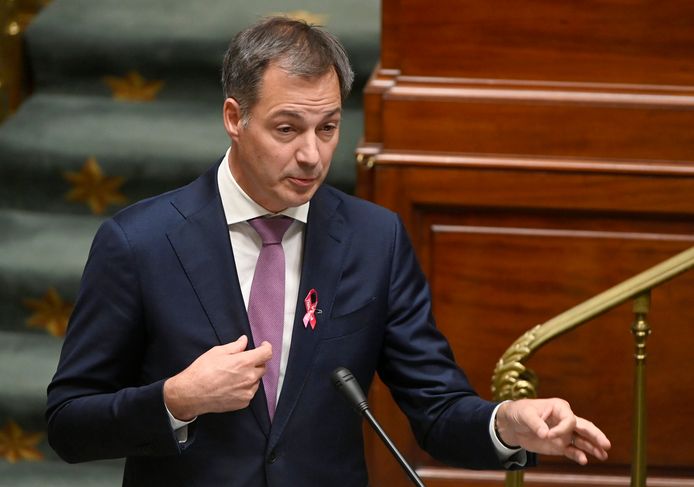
[92,187]
[50,313]
[133,87]
[305,15]
[16,445]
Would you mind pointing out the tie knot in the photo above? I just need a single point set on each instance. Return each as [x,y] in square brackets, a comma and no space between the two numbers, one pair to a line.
[271,230]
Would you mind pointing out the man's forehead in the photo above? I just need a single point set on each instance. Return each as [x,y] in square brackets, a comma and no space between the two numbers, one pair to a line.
[275,72]
[283,93]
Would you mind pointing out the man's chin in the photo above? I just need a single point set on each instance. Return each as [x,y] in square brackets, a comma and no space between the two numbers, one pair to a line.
[303,197]
[292,198]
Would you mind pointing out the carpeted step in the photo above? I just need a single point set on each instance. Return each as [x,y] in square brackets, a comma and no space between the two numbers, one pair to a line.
[48,473]
[83,39]
[28,362]
[153,146]
[41,260]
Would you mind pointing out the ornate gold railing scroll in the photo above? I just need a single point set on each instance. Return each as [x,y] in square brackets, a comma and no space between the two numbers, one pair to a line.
[512,380]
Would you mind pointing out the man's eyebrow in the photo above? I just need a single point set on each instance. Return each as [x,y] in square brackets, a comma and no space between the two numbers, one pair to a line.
[297,115]
[332,113]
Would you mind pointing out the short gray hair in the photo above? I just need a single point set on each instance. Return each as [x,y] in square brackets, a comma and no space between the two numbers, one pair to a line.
[299,48]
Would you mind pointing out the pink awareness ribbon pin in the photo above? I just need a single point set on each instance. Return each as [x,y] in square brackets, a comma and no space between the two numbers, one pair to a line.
[311,303]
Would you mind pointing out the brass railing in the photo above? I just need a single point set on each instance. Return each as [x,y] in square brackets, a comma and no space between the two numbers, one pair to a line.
[512,380]
[15,15]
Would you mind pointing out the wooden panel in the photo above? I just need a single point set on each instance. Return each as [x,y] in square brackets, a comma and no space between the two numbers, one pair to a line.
[15,84]
[381,81]
[442,477]
[401,187]
[612,41]
[540,123]
[539,152]
[506,248]
[492,281]
[390,33]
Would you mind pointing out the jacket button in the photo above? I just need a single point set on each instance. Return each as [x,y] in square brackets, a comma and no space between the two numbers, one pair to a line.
[272,458]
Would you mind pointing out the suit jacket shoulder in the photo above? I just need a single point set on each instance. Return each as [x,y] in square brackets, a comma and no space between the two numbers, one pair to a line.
[160,212]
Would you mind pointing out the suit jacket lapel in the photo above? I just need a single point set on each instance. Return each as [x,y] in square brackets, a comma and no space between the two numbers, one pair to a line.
[203,247]
[325,243]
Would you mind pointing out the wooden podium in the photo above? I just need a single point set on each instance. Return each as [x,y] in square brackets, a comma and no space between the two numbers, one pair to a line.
[540,152]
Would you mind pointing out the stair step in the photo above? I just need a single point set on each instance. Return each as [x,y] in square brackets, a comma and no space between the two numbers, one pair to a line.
[39,251]
[58,474]
[28,362]
[154,146]
[175,37]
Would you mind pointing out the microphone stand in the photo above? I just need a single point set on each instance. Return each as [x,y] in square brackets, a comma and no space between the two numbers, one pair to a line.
[346,383]
[416,480]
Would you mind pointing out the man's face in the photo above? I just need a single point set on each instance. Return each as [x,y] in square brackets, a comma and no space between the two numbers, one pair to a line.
[283,154]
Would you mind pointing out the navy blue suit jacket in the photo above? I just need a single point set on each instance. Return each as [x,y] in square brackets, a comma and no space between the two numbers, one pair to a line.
[160,288]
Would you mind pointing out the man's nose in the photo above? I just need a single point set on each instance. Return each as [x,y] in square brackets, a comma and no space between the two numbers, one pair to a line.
[307,152]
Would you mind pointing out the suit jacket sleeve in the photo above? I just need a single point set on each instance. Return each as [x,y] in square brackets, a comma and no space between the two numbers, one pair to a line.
[97,405]
[447,417]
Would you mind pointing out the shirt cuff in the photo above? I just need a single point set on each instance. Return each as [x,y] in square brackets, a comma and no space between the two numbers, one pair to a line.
[509,456]
[180,427]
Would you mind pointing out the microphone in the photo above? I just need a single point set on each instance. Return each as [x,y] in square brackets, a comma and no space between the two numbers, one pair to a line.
[346,383]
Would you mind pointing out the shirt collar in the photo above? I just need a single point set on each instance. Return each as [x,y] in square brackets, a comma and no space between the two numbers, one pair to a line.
[239,207]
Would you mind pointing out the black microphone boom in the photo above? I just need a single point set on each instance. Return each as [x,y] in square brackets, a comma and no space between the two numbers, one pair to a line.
[346,383]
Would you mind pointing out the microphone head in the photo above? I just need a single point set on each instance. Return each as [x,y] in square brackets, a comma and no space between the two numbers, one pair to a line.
[347,384]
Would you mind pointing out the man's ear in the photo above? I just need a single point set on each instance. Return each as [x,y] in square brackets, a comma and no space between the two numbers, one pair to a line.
[231,112]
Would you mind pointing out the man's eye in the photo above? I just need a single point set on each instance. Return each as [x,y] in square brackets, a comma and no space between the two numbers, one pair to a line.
[329,128]
[284,130]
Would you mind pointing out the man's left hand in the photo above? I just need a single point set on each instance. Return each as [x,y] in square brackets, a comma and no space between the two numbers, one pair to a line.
[549,426]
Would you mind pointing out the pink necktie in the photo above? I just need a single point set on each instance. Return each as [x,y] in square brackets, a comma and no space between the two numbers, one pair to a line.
[266,301]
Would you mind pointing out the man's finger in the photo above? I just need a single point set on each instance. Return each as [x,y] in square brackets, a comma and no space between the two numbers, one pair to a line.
[592,433]
[531,419]
[260,355]
[576,455]
[565,420]
[589,447]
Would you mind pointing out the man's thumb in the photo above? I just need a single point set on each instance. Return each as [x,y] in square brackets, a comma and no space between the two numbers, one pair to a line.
[238,346]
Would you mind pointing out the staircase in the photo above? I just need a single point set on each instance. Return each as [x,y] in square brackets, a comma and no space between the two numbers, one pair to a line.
[127,104]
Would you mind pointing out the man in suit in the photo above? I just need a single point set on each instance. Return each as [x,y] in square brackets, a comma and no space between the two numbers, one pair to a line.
[166,361]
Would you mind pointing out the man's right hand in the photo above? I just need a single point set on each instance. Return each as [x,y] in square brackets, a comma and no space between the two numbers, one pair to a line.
[225,378]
